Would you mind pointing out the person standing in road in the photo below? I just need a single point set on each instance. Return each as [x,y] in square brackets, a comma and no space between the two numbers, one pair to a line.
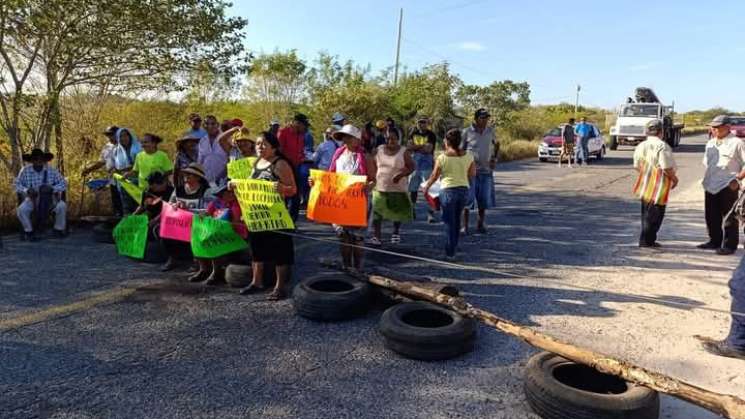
[421,144]
[584,132]
[325,151]
[213,152]
[653,158]
[480,140]
[724,160]
[292,145]
[567,143]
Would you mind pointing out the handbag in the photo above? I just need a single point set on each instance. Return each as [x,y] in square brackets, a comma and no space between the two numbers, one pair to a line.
[652,185]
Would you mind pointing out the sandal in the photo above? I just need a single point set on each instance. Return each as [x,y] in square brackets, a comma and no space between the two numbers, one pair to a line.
[277,295]
[251,289]
[199,276]
[395,238]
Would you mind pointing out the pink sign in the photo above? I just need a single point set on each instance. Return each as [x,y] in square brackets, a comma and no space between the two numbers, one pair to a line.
[175,223]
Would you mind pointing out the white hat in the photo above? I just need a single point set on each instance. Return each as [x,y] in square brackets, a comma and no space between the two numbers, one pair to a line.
[350,130]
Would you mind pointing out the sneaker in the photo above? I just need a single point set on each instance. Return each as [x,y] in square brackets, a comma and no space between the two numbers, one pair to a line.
[654,245]
[720,348]
[395,238]
[725,251]
[707,245]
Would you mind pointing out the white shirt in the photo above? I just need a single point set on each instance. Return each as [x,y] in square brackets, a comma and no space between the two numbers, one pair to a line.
[656,152]
[107,155]
[723,160]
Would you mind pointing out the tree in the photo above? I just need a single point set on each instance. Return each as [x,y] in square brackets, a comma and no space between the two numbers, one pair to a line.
[501,98]
[124,45]
[277,81]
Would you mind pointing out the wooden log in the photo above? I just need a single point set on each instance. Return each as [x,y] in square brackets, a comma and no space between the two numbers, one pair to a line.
[724,404]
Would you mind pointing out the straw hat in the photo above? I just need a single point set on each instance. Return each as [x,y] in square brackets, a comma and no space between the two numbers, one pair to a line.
[350,130]
[195,169]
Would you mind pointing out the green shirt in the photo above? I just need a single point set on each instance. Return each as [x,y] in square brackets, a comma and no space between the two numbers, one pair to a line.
[146,164]
[454,170]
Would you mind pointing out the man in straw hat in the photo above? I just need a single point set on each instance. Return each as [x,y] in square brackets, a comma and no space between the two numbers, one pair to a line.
[40,189]
[724,160]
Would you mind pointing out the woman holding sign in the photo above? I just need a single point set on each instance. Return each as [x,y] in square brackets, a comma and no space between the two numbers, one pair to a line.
[271,246]
[454,168]
[391,198]
[352,159]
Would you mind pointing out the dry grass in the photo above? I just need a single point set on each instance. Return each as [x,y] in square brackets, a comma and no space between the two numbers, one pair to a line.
[518,150]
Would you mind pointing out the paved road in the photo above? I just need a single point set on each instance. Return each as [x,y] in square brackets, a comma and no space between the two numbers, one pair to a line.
[561,255]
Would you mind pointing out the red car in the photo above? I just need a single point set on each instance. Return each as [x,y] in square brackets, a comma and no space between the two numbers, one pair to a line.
[737,125]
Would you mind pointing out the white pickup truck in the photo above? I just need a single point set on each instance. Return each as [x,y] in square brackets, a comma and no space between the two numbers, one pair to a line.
[634,115]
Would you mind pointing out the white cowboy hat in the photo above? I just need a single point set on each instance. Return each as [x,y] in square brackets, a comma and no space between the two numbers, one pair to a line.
[350,130]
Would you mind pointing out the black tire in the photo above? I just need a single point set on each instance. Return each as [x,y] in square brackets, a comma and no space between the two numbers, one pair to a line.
[238,276]
[427,332]
[542,159]
[154,253]
[601,153]
[614,143]
[103,233]
[331,297]
[557,388]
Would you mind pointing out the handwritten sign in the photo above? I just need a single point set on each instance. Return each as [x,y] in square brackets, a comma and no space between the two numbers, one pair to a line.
[338,198]
[175,223]
[241,168]
[262,207]
[212,238]
[130,188]
[130,236]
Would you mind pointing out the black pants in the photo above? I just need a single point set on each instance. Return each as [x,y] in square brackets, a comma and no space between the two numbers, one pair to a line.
[116,201]
[716,206]
[652,216]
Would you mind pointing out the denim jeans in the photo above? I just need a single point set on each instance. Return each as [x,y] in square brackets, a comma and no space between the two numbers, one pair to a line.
[583,151]
[736,337]
[452,201]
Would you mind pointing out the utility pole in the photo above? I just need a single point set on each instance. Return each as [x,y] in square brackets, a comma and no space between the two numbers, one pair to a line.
[398,45]
[576,102]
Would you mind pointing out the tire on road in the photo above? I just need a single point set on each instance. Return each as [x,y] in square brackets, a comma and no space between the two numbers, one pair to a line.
[426,332]
[238,276]
[557,388]
[613,142]
[331,297]
[601,153]
[103,233]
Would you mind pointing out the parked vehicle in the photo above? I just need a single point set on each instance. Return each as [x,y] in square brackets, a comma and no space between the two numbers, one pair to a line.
[738,125]
[634,115]
[550,147]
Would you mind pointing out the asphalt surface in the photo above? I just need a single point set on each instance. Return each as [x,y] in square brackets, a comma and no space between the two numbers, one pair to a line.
[561,255]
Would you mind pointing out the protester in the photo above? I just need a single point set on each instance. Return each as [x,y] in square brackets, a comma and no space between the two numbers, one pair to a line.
[304,170]
[272,246]
[325,151]
[480,140]
[352,159]
[724,159]
[368,138]
[192,195]
[421,144]
[187,152]
[274,127]
[338,120]
[390,198]
[243,144]
[213,152]
[122,161]
[106,161]
[292,143]
[196,130]
[380,130]
[584,132]
[224,207]
[159,190]
[40,188]
[654,158]
[150,160]
[567,143]
[454,168]
[733,346]
[390,124]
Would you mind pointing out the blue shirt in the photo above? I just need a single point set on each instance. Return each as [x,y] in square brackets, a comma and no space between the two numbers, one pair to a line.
[196,133]
[583,130]
[324,153]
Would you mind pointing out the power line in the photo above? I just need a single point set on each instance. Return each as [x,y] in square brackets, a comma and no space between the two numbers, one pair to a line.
[460,5]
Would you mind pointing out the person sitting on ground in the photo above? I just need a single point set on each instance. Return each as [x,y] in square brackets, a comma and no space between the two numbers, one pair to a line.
[151,160]
[272,246]
[455,168]
[122,159]
[186,154]
[243,145]
[225,207]
[159,190]
[390,197]
[193,195]
[325,151]
[40,188]
[352,159]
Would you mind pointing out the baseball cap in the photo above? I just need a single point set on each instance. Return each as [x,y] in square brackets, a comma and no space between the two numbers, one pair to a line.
[653,127]
[337,118]
[719,120]
[480,113]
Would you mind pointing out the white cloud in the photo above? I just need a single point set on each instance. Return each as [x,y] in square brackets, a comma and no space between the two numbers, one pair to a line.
[644,66]
[471,46]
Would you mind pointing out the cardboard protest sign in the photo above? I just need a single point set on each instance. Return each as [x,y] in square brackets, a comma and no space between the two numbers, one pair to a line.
[175,223]
[130,188]
[211,238]
[130,236]
[262,207]
[338,198]
[241,168]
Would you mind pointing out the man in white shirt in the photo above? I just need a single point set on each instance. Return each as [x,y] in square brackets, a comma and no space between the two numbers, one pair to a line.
[724,160]
[106,161]
[655,152]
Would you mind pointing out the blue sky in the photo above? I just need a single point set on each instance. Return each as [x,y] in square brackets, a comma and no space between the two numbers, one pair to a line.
[688,51]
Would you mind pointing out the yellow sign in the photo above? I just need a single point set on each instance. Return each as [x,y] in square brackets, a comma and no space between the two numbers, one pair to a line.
[338,198]
[241,168]
[262,207]
[133,190]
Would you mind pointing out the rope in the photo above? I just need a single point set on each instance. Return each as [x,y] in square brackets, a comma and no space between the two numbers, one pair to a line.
[459,266]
